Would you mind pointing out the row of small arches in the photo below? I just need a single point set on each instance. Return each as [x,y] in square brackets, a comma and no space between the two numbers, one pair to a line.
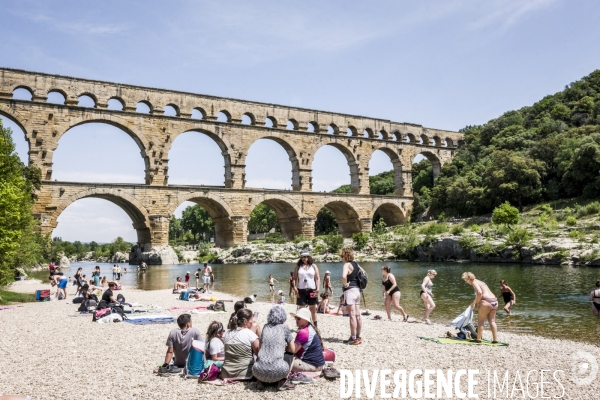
[171,110]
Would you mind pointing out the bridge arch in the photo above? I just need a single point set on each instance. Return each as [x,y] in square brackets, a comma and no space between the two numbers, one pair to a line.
[292,156]
[226,234]
[139,140]
[397,167]
[434,159]
[350,160]
[132,207]
[391,214]
[345,213]
[288,213]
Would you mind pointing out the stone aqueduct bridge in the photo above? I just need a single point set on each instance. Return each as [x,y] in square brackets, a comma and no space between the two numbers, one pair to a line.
[301,132]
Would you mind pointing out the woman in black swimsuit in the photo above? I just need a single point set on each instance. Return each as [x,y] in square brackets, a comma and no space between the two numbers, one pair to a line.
[510,298]
[391,293]
[595,299]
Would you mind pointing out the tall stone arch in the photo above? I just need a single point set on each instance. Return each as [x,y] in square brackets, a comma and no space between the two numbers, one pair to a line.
[140,140]
[231,173]
[359,183]
[399,173]
[298,182]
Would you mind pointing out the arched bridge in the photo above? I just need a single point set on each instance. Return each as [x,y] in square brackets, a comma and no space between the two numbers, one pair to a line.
[234,125]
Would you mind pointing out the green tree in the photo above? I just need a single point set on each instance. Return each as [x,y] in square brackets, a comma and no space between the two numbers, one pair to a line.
[505,214]
[198,221]
[326,221]
[19,244]
[512,177]
[262,219]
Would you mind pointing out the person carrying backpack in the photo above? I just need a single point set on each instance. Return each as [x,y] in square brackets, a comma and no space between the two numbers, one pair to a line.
[354,279]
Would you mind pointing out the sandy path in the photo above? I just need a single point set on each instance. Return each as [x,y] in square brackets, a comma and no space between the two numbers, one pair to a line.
[48,352]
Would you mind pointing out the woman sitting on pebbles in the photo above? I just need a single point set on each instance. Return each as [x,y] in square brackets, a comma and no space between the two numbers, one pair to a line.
[272,364]
[308,346]
[240,346]
[391,293]
[486,303]
[239,305]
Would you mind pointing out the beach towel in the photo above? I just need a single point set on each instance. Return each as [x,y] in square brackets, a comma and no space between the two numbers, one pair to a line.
[175,308]
[6,307]
[460,341]
[150,319]
[195,361]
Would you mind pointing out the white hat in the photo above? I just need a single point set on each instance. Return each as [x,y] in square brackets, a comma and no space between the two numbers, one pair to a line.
[305,253]
[188,272]
[305,314]
[327,272]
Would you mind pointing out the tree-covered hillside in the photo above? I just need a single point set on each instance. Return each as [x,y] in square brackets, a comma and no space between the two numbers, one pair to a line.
[546,151]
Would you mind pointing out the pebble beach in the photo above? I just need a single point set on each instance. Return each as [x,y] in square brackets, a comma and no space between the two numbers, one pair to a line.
[49,351]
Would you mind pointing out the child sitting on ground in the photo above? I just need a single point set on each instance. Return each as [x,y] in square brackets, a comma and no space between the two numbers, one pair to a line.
[342,307]
[281,297]
[324,306]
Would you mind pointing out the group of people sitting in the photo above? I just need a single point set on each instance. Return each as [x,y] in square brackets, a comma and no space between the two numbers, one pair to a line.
[244,351]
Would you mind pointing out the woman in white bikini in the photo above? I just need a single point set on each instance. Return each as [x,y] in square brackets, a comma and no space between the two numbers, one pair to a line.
[426,294]
[486,304]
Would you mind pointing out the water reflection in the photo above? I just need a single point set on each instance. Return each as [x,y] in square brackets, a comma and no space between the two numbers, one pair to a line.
[551,301]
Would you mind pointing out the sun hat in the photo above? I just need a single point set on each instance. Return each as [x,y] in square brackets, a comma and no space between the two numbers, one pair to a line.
[280,292]
[327,272]
[305,253]
[304,313]
[188,272]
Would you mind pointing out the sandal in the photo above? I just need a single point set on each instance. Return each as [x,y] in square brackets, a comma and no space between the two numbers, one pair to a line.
[377,317]
[428,322]
[406,318]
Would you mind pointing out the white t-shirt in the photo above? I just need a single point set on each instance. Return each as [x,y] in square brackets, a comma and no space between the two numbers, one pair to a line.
[216,347]
[239,336]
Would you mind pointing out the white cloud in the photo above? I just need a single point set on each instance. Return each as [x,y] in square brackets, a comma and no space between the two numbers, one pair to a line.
[75,28]
[507,13]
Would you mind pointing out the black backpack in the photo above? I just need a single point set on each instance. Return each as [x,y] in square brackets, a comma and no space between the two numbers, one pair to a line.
[120,298]
[219,305]
[361,277]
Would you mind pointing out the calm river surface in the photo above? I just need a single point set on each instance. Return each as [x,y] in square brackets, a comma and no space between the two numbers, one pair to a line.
[551,301]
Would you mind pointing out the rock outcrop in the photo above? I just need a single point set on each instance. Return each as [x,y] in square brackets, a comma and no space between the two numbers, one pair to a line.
[156,256]
[63,262]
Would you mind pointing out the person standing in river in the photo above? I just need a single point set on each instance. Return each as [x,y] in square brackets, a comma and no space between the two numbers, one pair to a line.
[306,284]
[206,272]
[595,299]
[197,276]
[391,293]
[272,281]
[427,295]
[510,298]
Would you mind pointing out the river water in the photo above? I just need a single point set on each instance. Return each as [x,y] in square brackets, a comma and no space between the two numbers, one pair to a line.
[551,301]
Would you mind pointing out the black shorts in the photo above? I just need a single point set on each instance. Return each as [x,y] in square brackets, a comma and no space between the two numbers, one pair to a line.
[305,299]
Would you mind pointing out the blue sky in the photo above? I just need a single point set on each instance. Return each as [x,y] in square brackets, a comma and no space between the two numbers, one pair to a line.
[443,64]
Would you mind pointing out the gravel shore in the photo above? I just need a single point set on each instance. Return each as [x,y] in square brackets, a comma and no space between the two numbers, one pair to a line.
[48,351]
